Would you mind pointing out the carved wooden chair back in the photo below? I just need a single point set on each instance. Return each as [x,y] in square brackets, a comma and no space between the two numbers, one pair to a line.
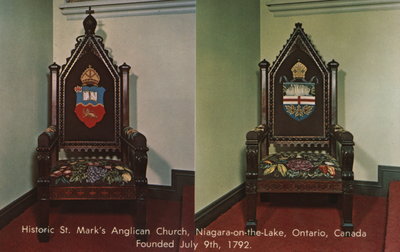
[90,103]
[298,94]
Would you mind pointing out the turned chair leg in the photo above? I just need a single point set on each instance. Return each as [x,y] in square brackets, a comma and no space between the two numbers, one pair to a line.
[347,208]
[43,219]
[251,217]
[140,219]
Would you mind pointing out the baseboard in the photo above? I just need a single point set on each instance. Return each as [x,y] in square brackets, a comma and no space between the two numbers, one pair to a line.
[386,174]
[208,214]
[180,178]
[15,208]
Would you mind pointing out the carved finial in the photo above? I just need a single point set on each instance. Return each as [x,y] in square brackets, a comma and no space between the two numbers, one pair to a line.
[333,64]
[263,64]
[90,11]
[90,22]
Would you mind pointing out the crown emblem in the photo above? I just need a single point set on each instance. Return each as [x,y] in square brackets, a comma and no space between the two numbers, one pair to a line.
[90,77]
[299,70]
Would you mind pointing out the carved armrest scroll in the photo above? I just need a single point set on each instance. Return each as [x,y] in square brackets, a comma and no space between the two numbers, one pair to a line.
[254,140]
[48,137]
[341,135]
[256,135]
[137,152]
[346,154]
[46,153]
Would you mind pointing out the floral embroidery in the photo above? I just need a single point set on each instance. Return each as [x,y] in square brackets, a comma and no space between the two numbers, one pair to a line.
[300,165]
[90,171]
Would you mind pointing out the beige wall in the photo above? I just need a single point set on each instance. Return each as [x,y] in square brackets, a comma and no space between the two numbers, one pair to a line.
[161,51]
[26,51]
[366,44]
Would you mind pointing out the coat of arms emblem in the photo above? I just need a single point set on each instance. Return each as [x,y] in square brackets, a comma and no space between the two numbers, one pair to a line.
[299,94]
[89,106]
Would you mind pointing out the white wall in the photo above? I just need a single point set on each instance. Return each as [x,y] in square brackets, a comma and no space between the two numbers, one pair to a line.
[161,52]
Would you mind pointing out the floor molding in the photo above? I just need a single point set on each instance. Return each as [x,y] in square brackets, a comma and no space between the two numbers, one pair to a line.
[180,178]
[208,214]
[386,174]
[15,208]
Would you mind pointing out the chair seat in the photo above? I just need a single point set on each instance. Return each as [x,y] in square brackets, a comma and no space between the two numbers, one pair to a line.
[99,172]
[299,165]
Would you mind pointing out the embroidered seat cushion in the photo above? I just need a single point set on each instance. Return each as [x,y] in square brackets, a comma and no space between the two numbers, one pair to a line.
[91,172]
[306,165]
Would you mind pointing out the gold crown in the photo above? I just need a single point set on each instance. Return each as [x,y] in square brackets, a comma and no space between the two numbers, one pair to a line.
[90,77]
[299,70]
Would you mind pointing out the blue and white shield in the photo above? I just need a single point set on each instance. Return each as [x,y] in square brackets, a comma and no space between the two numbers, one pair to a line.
[299,99]
[89,106]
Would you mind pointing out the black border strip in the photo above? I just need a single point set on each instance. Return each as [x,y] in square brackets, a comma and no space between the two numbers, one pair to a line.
[17,207]
[211,212]
[180,178]
[386,174]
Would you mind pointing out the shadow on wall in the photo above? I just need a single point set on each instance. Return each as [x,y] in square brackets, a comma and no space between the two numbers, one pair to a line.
[133,101]
[365,160]
[341,95]
[100,32]
[160,167]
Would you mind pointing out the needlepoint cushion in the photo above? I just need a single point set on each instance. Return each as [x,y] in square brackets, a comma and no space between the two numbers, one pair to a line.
[91,172]
[307,165]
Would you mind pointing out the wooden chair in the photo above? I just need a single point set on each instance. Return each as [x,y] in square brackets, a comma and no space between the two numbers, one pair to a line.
[299,117]
[90,117]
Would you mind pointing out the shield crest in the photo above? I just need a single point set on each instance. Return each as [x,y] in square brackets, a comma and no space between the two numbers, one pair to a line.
[299,94]
[89,106]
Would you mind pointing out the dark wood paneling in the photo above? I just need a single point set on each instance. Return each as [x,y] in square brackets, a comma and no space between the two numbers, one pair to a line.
[386,174]
[180,178]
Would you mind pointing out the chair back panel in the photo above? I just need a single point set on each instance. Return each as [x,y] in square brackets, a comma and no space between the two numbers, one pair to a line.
[89,98]
[298,94]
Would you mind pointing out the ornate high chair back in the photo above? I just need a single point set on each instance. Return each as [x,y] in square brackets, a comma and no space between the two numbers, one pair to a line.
[299,118]
[106,159]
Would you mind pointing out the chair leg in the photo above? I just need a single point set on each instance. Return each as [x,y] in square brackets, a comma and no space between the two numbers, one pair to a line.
[251,213]
[43,219]
[141,217]
[347,209]
[264,197]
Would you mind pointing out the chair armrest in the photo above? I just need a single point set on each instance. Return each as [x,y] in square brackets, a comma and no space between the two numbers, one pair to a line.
[134,138]
[48,138]
[256,135]
[341,135]
[346,153]
[46,153]
[254,140]
[135,149]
